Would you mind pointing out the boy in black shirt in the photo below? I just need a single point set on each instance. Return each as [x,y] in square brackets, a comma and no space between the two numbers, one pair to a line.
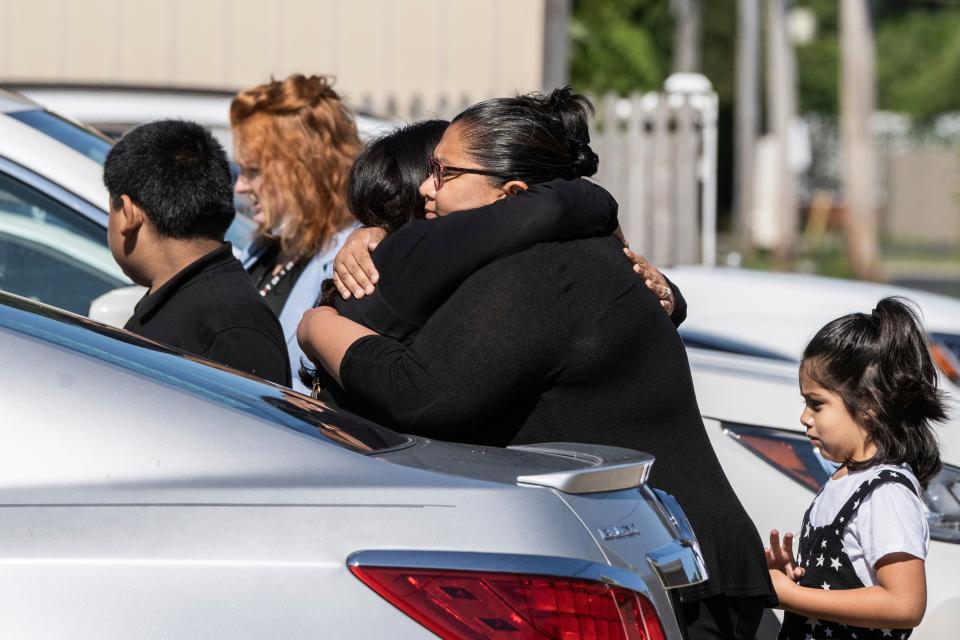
[171,202]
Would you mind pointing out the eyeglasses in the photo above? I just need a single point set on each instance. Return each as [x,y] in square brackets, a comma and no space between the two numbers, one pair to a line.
[441,172]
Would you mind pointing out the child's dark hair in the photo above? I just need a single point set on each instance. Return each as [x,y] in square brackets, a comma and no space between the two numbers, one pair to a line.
[384,185]
[178,173]
[879,364]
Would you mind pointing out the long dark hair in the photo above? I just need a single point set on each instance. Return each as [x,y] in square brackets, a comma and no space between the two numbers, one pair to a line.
[534,137]
[880,365]
[384,190]
[384,185]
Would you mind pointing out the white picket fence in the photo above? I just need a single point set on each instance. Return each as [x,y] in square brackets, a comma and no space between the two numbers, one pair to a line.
[658,157]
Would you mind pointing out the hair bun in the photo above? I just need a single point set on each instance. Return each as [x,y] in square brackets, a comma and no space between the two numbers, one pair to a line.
[292,95]
[573,112]
[534,137]
[585,160]
[310,89]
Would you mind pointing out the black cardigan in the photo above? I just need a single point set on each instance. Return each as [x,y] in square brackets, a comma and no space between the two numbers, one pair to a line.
[563,342]
[425,261]
[558,341]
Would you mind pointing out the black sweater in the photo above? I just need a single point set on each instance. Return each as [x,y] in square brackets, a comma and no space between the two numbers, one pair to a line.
[425,261]
[211,309]
[563,342]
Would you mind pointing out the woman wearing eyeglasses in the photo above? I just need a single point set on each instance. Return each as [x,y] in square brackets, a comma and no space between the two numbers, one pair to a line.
[557,342]
[426,262]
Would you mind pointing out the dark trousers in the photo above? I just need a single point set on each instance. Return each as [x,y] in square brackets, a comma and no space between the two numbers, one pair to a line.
[722,618]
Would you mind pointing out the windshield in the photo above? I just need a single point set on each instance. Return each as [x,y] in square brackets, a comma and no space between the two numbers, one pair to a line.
[196,377]
[87,141]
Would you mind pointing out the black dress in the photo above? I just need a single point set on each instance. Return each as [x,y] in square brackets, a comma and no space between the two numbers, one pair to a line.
[563,342]
[560,341]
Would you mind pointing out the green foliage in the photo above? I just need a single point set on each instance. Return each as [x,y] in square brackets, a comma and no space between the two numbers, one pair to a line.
[626,45]
[918,58]
[918,63]
[719,56]
[620,46]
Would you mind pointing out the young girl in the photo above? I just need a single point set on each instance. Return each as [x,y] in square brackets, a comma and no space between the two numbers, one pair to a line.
[871,398]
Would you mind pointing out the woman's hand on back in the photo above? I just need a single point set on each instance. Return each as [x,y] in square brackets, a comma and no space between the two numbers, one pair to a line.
[653,279]
[353,270]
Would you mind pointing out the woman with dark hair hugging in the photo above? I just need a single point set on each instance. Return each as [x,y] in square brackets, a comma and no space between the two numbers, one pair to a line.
[383,192]
[552,340]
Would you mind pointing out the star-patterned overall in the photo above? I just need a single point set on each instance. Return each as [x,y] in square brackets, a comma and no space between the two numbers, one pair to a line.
[826,566]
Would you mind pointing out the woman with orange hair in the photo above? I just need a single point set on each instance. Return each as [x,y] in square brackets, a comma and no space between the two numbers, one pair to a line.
[294,141]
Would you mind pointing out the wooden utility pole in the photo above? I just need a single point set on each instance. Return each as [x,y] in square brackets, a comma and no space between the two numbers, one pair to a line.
[688,20]
[857,102]
[747,125]
[781,111]
[556,47]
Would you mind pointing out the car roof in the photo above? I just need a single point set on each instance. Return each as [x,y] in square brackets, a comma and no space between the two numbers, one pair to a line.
[10,102]
[132,105]
[780,312]
[53,160]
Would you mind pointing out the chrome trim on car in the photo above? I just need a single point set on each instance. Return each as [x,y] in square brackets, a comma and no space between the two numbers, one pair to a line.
[502,563]
[678,563]
[612,469]
[676,514]
[616,532]
[52,190]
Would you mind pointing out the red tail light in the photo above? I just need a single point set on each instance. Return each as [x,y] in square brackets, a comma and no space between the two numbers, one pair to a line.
[473,604]
[788,451]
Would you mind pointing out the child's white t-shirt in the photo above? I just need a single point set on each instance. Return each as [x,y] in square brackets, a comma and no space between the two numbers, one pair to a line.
[891,519]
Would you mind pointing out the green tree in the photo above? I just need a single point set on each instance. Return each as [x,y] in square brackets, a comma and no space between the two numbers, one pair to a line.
[918,58]
[918,65]
[627,45]
[621,45]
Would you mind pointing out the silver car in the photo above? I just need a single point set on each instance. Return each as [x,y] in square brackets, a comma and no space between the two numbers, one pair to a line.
[146,494]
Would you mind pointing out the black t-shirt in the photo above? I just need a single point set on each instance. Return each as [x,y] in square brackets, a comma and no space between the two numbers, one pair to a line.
[212,310]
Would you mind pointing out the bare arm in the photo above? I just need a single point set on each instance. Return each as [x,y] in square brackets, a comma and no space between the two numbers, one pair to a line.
[898,602]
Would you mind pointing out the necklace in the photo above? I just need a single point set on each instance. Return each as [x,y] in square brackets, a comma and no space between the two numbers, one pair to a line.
[277,276]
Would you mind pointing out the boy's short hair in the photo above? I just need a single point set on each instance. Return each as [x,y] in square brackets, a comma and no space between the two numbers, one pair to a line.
[178,173]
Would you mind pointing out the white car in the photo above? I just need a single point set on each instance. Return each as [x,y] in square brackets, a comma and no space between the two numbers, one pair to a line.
[774,315]
[53,209]
[52,200]
[745,334]
[117,109]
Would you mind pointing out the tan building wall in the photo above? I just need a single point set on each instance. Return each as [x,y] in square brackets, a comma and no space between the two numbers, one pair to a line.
[924,204]
[462,49]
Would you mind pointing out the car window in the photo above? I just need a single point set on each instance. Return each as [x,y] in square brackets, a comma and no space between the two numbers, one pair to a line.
[712,342]
[51,253]
[96,146]
[89,142]
[207,380]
